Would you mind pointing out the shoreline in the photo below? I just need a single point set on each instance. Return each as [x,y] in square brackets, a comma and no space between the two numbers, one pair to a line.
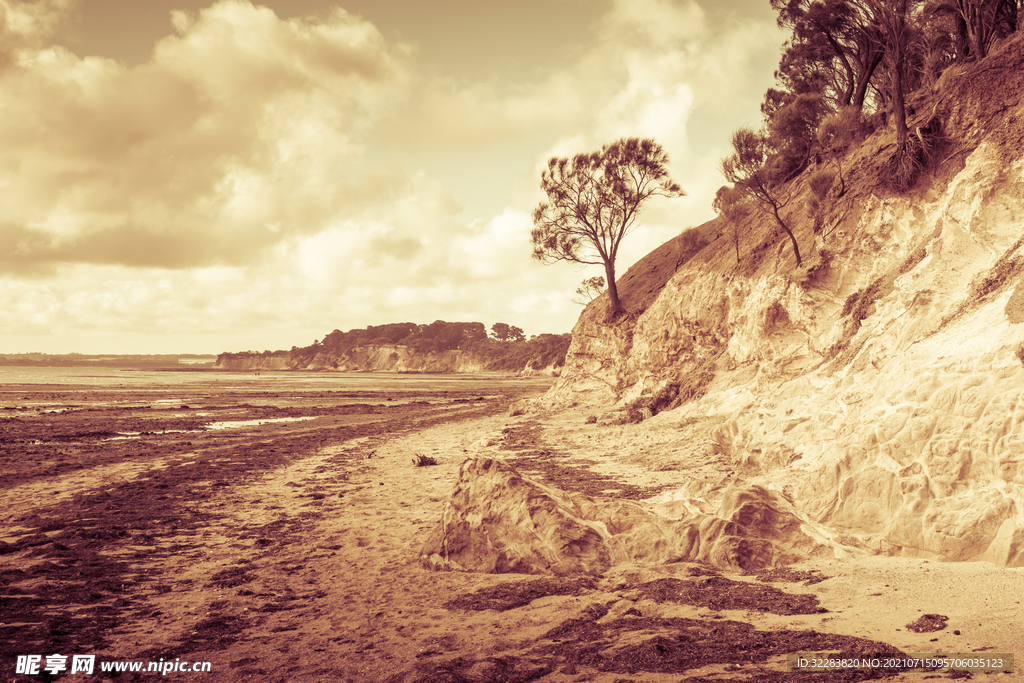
[289,551]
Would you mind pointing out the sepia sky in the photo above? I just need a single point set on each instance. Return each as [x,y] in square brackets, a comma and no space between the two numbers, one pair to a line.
[197,177]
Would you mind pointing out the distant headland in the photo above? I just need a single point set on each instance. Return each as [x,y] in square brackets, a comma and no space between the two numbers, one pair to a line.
[456,347]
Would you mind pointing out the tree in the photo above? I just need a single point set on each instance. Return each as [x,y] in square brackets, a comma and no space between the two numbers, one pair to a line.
[589,289]
[506,332]
[593,202]
[501,331]
[753,169]
[896,28]
[791,131]
[732,204]
[840,38]
[979,23]
[836,134]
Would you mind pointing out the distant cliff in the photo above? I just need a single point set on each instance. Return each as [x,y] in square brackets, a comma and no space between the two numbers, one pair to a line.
[406,347]
[382,358]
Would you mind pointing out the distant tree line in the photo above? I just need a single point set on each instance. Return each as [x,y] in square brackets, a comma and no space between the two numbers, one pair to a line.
[850,67]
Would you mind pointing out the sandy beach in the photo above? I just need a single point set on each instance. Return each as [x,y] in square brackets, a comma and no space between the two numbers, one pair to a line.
[284,545]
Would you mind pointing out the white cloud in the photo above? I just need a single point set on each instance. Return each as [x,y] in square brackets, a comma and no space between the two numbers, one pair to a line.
[244,128]
[682,81]
[252,183]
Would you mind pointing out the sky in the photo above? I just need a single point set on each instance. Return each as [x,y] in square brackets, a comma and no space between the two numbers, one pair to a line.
[184,176]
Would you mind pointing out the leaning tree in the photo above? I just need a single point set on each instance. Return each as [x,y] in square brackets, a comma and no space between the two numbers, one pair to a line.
[593,201]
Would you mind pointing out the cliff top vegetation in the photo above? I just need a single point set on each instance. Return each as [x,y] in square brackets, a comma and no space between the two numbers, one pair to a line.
[850,69]
[831,137]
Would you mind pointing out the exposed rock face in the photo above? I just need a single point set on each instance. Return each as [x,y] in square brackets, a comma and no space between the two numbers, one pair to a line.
[881,385]
[375,358]
[397,358]
[255,362]
[370,358]
[499,521]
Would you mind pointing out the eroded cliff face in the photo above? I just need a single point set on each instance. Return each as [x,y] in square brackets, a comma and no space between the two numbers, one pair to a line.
[375,358]
[881,386]
[250,363]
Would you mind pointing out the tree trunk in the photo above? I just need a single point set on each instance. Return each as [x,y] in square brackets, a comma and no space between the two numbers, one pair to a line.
[865,80]
[899,108]
[613,291]
[792,237]
[896,28]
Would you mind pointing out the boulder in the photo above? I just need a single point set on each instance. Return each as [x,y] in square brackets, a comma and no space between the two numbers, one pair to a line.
[499,521]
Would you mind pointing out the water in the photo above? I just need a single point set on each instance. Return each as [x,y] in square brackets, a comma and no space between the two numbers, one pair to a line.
[114,378]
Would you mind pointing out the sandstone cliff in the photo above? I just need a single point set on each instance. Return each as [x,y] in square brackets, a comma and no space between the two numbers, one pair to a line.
[397,358]
[880,386]
[381,358]
[440,347]
[375,358]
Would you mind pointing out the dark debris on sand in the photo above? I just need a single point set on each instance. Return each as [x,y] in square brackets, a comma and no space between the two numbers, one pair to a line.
[636,645]
[928,623]
[719,593]
[513,594]
[789,575]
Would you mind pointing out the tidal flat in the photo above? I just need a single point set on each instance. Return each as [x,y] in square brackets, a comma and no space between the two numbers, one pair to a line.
[270,527]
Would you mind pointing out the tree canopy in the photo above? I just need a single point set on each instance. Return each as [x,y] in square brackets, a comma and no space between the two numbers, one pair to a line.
[506,332]
[594,201]
[848,68]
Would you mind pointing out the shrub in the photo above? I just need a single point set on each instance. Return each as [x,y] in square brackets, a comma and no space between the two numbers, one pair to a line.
[821,182]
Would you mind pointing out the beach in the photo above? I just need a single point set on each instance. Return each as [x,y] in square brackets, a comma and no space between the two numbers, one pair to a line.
[268,528]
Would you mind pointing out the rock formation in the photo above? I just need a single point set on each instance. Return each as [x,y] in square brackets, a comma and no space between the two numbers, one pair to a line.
[370,358]
[499,521]
[881,385]
[399,358]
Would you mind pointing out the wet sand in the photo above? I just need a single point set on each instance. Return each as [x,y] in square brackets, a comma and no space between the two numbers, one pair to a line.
[283,547]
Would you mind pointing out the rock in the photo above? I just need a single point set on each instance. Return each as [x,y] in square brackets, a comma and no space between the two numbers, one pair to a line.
[882,387]
[927,623]
[499,521]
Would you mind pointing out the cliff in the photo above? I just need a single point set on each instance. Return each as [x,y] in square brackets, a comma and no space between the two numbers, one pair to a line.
[544,357]
[376,358]
[396,358]
[879,387]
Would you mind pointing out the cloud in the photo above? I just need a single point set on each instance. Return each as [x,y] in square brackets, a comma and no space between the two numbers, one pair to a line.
[28,25]
[454,115]
[260,181]
[243,129]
